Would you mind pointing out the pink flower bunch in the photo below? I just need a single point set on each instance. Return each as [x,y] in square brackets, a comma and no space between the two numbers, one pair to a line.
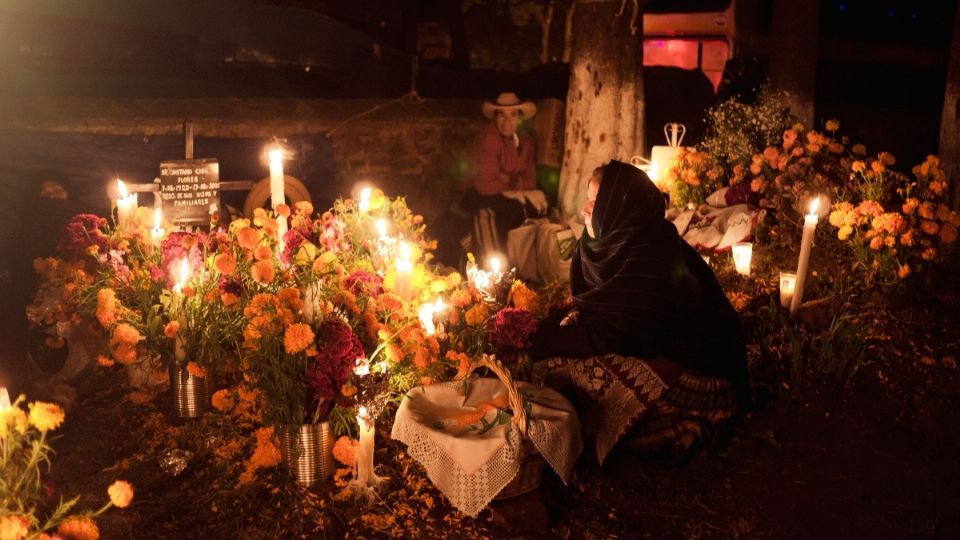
[361,282]
[337,351]
[181,245]
[83,232]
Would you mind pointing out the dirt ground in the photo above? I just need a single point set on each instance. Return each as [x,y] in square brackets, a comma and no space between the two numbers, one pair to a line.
[878,460]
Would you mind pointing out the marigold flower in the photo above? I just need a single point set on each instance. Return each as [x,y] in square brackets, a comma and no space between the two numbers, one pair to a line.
[123,343]
[907,238]
[103,361]
[222,400]
[121,493]
[477,315]
[290,296]
[876,243]
[943,212]
[248,237]
[106,307]
[877,166]
[14,527]
[171,329]
[282,210]
[263,272]
[948,233]
[225,263]
[859,149]
[887,159]
[844,232]
[297,338]
[196,370]
[45,416]
[78,528]
[345,451]
[910,205]
[266,454]
[262,253]
[833,124]
[930,227]
[927,210]
[929,254]
[304,207]
[903,271]
[858,166]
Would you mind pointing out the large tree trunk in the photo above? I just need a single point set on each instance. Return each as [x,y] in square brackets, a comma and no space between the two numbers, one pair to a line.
[950,118]
[793,54]
[605,97]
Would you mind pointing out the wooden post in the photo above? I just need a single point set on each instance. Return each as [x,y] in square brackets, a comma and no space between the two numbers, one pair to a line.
[187,139]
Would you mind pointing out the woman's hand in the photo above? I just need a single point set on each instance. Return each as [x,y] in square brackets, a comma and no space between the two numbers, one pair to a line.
[571,318]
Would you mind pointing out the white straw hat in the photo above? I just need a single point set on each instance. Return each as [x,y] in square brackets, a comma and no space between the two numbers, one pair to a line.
[509,101]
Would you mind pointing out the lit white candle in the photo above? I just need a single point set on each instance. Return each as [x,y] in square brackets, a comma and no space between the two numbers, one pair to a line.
[364,205]
[183,274]
[806,243]
[425,314]
[381,225]
[126,205]
[788,282]
[156,233]
[277,188]
[495,265]
[404,287]
[364,456]
[4,398]
[742,255]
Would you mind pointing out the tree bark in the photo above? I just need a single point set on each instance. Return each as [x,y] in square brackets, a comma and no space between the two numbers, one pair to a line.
[950,118]
[605,106]
[793,54]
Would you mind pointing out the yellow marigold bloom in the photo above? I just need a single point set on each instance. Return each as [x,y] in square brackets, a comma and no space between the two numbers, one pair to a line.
[171,329]
[948,233]
[14,527]
[45,416]
[106,307]
[238,224]
[78,528]
[903,271]
[263,272]
[304,207]
[196,370]
[476,315]
[225,263]
[844,232]
[222,400]
[929,254]
[297,338]
[121,493]
[248,237]
[345,451]
[930,227]
[837,217]
[522,297]
[833,124]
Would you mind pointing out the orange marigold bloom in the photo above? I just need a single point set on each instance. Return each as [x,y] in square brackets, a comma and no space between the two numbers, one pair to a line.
[14,527]
[297,338]
[304,207]
[107,307]
[123,343]
[171,329]
[929,254]
[927,210]
[262,253]
[887,159]
[948,233]
[248,237]
[930,227]
[282,210]
[345,451]
[907,238]
[225,263]
[858,166]
[910,205]
[267,453]
[222,400]
[45,416]
[263,272]
[121,493]
[476,315]
[903,271]
[877,166]
[290,296]
[859,149]
[104,361]
[462,360]
[78,528]
[196,370]
[876,243]
[943,212]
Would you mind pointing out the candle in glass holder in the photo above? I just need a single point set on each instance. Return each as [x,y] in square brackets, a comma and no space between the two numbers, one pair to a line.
[404,286]
[156,233]
[126,205]
[788,282]
[742,255]
[364,204]
[364,455]
[277,195]
[183,271]
[806,243]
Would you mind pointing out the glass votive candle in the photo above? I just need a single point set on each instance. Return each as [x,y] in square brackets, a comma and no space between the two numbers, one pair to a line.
[788,281]
[742,254]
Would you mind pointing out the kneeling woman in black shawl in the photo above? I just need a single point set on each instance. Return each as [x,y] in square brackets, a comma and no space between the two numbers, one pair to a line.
[652,346]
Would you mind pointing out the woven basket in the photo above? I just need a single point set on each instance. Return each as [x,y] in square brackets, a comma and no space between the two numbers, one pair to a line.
[531,462]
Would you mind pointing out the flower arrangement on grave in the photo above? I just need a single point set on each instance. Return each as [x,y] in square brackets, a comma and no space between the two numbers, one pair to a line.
[24,455]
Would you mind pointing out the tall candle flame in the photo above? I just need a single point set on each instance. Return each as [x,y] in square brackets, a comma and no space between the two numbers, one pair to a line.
[183,274]
[381,227]
[157,218]
[405,251]
[4,399]
[814,205]
[122,189]
[276,156]
[495,264]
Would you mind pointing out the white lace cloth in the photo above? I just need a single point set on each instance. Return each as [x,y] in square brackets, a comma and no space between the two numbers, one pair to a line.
[471,468]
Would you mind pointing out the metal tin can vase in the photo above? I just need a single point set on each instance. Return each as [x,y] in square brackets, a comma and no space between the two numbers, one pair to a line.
[191,394]
[307,452]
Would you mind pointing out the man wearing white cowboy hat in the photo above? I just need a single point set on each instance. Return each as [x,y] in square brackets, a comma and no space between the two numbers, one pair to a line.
[503,167]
